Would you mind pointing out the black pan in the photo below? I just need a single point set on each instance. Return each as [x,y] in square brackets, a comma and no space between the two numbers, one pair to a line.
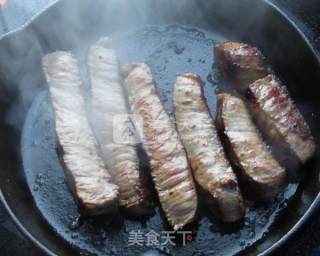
[172,37]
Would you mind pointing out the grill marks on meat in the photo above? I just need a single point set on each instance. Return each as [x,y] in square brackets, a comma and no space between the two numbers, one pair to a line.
[204,150]
[279,118]
[89,179]
[240,64]
[170,170]
[260,172]
[108,105]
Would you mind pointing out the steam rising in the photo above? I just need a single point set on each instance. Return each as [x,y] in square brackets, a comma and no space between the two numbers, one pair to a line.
[74,25]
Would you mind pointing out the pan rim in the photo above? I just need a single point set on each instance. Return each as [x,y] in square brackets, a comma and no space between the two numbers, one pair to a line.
[312,208]
[23,229]
[275,246]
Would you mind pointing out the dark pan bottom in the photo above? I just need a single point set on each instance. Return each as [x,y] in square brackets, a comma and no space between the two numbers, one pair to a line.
[169,51]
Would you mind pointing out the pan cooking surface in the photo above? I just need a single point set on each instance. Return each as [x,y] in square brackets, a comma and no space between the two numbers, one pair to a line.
[169,51]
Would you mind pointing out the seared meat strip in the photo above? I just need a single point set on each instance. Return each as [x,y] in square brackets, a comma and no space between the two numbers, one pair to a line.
[204,150]
[240,64]
[89,179]
[261,173]
[279,118]
[170,170]
[108,105]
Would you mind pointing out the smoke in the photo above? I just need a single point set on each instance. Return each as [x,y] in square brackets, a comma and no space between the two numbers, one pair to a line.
[74,25]
[69,25]
[21,76]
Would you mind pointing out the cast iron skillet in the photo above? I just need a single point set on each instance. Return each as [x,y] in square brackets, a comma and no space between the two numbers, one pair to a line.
[173,37]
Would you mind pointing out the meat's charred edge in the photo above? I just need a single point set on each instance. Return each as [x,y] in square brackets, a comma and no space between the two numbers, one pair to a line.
[231,68]
[279,145]
[85,209]
[125,71]
[252,189]
[146,205]
[145,208]
[215,206]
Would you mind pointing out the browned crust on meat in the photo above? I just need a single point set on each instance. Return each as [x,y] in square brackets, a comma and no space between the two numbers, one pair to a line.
[144,206]
[221,187]
[254,189]
[170,170]
[240,64]
[280,119]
